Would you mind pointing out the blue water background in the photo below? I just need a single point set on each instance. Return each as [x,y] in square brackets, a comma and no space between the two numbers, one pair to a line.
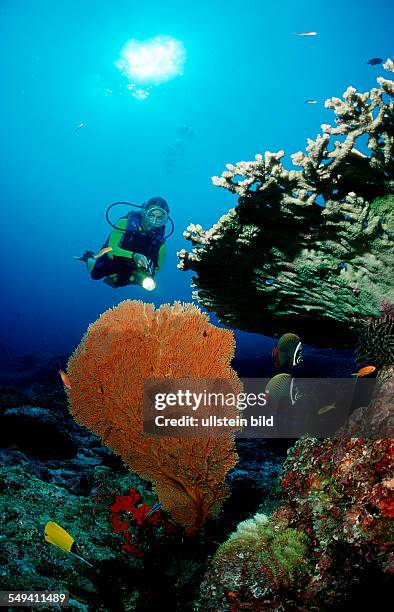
[243,91]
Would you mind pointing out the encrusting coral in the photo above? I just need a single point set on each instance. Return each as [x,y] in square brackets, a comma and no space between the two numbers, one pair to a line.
[306,249]
[340,491]
[134,342]
[333,530]
[254,566]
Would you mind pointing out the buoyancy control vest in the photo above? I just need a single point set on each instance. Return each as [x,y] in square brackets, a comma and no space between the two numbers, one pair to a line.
[147,243]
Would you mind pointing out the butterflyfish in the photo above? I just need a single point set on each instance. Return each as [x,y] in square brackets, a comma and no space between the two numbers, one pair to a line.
[56,535]
[288,351]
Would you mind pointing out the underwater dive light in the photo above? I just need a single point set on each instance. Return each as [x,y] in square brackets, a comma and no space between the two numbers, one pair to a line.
[148,283]
[141,277]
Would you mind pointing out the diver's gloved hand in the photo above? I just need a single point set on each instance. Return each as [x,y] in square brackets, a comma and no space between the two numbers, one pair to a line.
[140,260]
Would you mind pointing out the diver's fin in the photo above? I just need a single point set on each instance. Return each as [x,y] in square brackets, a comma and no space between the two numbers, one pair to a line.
[86,255]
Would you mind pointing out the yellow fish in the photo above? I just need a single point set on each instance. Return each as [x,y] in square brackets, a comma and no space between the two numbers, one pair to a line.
[103,251]
[56,535]
[65,379]
[326,408]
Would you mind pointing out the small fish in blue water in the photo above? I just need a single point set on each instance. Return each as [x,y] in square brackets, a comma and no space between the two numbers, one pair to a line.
[306,33]
[374,61]
[288,351]
[79,127]
[310,101]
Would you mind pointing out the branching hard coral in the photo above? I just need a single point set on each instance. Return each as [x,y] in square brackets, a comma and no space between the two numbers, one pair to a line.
[134,342]
[254,566]
[306,249]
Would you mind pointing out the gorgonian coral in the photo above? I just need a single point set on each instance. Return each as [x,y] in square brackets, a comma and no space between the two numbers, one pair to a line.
[306,249]
[134,342]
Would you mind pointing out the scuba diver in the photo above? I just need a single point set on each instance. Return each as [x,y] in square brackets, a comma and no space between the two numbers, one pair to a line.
[135,249]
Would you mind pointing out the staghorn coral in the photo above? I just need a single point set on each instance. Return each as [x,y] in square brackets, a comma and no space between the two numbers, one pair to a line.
[306,249]
[255,566]
[134,342]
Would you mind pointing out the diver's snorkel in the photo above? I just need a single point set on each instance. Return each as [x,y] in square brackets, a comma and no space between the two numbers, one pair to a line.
[121,229]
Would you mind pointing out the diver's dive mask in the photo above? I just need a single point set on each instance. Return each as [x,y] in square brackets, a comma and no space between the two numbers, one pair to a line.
[153,218]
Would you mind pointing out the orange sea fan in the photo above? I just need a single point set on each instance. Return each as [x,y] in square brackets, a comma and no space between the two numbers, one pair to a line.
[134,342]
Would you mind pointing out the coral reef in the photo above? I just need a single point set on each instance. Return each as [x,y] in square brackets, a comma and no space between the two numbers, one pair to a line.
[256,564]
[375,342]
[341,493]
[306,249]
[376,420]
[27,562]
[124,347]
[104,507]
[133,507]
[333,531]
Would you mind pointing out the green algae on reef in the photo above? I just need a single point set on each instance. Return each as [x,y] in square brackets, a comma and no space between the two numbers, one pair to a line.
[27,562]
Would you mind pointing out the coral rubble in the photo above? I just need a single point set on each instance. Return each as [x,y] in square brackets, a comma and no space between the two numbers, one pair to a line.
[306,249]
